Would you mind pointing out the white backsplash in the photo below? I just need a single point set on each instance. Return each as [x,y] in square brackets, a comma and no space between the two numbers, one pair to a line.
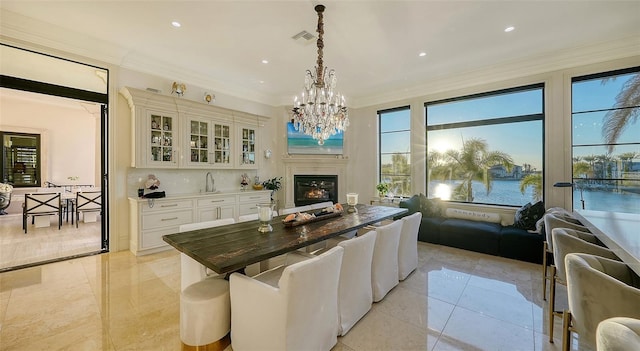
[186,181]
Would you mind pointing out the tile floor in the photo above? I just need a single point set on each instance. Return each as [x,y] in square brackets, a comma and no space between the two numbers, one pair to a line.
[456,300]
[46,243]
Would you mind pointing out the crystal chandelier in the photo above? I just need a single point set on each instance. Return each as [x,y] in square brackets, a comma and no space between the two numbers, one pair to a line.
[320,111]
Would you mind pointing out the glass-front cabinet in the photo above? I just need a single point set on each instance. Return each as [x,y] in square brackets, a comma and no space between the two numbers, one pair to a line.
[222,149]
[247,140]
[163,138]
[198,146]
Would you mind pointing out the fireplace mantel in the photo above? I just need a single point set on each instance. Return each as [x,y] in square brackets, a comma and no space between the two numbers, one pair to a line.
[313,166]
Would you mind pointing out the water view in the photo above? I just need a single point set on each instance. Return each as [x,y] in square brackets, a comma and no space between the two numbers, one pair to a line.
[507,192]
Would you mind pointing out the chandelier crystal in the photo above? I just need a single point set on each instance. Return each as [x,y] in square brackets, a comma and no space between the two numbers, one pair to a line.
[320,111]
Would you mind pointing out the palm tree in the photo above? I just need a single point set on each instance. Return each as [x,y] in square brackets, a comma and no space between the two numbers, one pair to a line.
[533,180]
[471,163]
[616,121]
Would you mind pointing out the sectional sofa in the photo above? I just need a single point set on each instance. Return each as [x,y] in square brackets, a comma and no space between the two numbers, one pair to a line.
[476,234]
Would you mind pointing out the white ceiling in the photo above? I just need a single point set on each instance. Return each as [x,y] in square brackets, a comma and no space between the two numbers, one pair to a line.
[373,45]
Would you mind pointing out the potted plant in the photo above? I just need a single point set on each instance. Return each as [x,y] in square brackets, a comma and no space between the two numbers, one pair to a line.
[383,189]
[273,184]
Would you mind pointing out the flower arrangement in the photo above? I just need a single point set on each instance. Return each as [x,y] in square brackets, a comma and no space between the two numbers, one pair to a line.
[273,183]
[5,188]
[383,188]
[152,182]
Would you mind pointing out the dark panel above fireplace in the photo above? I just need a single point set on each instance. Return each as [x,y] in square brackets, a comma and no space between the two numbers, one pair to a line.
[311,189]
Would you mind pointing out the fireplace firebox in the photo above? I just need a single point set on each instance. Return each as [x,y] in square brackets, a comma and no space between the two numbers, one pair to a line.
[311,189]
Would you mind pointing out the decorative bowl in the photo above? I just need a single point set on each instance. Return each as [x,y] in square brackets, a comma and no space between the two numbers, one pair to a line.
[257,186]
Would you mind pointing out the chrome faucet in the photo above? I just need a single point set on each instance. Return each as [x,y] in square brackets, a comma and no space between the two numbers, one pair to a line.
[213,186]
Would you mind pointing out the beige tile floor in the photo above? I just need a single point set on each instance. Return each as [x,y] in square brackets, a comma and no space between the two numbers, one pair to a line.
[42,244]
[456,300]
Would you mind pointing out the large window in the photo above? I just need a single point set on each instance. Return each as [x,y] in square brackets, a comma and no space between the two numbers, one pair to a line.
[606,141]
[395,150]
[487,148]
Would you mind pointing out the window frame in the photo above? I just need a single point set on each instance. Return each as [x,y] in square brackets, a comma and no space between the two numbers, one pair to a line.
[488,122]
[577,189]
[380,133]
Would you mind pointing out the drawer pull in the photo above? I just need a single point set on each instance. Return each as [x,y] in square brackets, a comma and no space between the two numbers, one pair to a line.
[255,197]
[172,205]
[214,201]
[253,208]
[169,219]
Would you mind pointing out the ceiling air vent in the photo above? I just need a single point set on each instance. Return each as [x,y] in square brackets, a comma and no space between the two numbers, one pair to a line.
[303,37]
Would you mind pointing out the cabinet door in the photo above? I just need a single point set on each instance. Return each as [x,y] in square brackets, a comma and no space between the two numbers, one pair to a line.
[198,132]
[162,139]
[215,213]
[222,152]
[247,147]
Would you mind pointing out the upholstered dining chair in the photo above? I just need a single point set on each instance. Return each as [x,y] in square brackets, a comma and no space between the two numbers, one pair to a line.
[618,334]
[598,288]
[41,204]
[286,211]
[384,266]
[355,296]
[90,201]
[408,245]
[568,241]
[289,308]
[191,270]
[556,218]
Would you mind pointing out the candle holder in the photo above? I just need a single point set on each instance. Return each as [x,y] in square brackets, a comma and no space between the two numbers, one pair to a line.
[352,201]
[265,215]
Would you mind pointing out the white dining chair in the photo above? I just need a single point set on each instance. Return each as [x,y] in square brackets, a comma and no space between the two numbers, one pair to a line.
[354,289]
[286,211]
[384,266]
[191,271]
[289,308]
[408,245]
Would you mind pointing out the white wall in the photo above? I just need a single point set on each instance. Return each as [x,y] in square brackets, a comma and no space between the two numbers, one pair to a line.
[69,148]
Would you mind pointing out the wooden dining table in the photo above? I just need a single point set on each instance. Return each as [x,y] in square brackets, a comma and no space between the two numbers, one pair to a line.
[232,247]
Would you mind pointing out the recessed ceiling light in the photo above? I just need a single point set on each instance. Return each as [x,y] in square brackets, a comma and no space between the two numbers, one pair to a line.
[509,29]
[422,54]
[265,61]
[176,24]
[262,82]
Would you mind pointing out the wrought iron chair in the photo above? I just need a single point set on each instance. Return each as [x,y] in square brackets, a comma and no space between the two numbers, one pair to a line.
[41,204]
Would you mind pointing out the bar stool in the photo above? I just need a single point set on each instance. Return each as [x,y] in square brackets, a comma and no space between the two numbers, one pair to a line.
[618,334]
[205,315]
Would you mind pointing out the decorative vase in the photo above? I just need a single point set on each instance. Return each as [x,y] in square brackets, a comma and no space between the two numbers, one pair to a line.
[5,201]
[265,214]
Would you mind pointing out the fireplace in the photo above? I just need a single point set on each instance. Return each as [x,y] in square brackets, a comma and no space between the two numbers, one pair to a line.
[310,189]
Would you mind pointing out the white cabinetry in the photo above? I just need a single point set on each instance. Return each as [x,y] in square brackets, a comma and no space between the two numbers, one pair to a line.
[211,208]
[247,202]
[247,137]
[170,132]
[150,220]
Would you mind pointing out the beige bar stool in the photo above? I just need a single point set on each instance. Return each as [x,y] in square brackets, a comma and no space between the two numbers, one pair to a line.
[618,334]
[205,315]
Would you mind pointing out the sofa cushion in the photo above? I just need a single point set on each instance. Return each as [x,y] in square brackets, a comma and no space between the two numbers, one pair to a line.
[520,244]
[430,229]
[412,204]
[471,235]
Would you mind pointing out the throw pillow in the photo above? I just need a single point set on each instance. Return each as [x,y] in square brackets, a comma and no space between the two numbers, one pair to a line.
[429,207]
[527,216]
[473,215]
